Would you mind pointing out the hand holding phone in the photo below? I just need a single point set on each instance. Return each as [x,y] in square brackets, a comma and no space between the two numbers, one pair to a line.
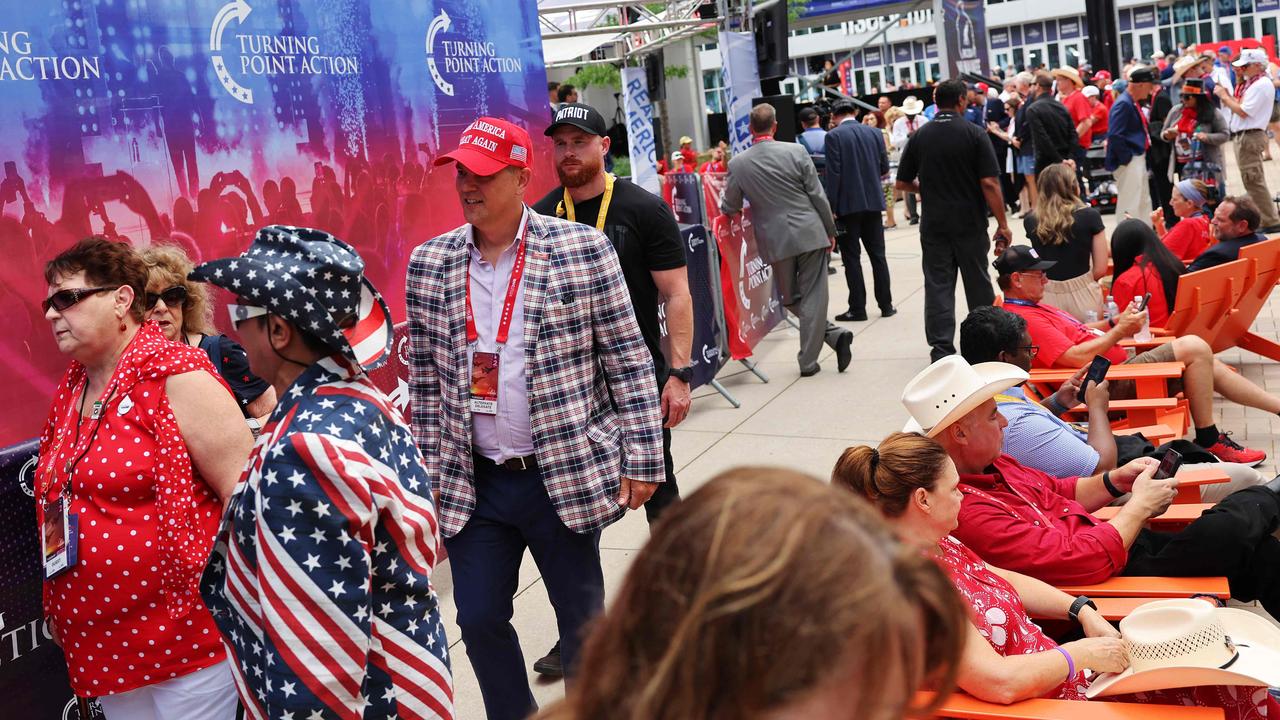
[1142,304]
[1169,464]
[1096,374]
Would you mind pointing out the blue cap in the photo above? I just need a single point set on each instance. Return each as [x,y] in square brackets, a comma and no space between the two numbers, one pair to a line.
[1225,49]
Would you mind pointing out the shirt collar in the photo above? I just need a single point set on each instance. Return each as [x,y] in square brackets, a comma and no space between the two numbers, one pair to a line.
[471,234]
[849,119]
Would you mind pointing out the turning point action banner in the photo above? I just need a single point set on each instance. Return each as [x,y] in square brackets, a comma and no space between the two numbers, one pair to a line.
[197,122]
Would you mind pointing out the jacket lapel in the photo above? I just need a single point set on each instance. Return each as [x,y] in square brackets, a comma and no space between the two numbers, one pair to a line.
[537,267]
[455,308]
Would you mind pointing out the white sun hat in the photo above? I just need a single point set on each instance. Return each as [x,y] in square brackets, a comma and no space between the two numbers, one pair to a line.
[949,389]
[1188,643]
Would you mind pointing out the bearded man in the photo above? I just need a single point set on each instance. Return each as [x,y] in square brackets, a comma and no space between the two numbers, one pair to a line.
[645,236]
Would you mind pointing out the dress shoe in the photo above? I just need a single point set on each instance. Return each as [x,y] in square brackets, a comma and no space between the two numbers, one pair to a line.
[550,664]
[811,371]
[831,270]
[851,316]
[844,351]
[889,312]
[914,221]
[1274,485]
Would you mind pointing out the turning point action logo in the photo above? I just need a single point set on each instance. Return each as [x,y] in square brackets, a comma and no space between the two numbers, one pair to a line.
[474,57]
[263,55]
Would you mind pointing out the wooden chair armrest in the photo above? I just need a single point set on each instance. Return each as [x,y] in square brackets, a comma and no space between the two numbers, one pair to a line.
[1136,404]
[1177,514]
[1139,371]
[1143,345]
[965,707]
[1151,587]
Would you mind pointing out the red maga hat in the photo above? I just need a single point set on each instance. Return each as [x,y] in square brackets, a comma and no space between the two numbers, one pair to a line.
[489,145]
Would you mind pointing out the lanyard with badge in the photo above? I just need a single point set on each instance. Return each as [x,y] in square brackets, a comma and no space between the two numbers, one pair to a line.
[566,206]
[59,533]
[484,365]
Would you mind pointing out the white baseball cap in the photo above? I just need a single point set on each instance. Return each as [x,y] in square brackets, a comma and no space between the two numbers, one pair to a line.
[1249,56]
[1090,91]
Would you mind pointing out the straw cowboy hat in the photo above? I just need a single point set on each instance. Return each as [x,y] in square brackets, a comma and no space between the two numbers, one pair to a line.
[1186,643]
[1185,63]
[1071,74]
[912,105]
[951,388]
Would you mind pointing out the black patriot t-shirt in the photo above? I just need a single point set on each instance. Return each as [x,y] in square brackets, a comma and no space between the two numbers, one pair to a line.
[644,233]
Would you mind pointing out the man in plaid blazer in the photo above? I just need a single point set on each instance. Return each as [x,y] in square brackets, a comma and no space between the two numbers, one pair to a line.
[533,403]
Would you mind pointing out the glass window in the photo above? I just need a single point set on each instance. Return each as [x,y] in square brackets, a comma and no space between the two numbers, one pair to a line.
[1246,6]
[934,74]
[1206,31]
[1146,46]
[1269,28]
[1184,11]
[1185,34]
[1205,9]
[712,91]
[1126,46]
[1162,15]
[1073,54]
[1227,31]
[1054,59]
[1019,61]
[1246,27]
[873,81]
[1166,41]
[1226,7]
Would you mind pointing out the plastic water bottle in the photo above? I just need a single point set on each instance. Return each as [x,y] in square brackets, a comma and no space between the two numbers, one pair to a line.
[1144,335]
[1091,316]
[1113,310]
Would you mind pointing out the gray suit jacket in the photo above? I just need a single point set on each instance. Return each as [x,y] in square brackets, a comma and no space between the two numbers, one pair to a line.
[788,207]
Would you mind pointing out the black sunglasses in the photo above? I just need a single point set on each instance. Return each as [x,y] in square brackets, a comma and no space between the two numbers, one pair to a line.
[64,299]
[172,297]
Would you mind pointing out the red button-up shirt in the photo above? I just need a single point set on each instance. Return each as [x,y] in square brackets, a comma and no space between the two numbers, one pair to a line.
[1023,520]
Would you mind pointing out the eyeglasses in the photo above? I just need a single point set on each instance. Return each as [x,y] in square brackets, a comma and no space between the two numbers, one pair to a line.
[240,313]
[64,299]
[1032,350]
[172,297]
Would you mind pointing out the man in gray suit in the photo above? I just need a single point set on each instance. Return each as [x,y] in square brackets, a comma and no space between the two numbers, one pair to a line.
[794,231]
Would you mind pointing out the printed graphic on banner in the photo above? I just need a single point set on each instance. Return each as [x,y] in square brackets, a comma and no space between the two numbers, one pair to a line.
[964,36]
[752,306]
[197,122]
[684,194]
[641,143]
[741,79]
[704,354]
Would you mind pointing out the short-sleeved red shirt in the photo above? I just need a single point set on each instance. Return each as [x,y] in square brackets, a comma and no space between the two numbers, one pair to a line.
[1137,281]
[1188,238]
[1056,332]
[1078,105]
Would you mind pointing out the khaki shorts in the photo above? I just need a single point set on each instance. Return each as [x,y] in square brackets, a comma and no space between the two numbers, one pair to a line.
[1126,390]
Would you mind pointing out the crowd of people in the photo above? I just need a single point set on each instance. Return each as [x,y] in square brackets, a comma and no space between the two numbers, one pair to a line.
[251,528]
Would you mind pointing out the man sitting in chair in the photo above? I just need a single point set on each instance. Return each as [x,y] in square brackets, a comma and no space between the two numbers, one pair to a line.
[1065,342]
[1024,520]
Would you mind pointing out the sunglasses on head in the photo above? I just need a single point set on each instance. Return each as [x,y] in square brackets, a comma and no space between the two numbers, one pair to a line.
[64,299]
[240,313]
[172,297]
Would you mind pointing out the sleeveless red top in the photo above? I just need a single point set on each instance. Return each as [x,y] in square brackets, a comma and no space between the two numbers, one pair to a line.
[129,611]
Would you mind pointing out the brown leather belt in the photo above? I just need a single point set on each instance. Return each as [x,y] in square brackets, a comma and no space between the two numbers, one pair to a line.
[528,462]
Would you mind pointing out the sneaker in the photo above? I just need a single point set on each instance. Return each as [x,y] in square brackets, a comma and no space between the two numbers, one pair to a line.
[550,664]
[1228,450]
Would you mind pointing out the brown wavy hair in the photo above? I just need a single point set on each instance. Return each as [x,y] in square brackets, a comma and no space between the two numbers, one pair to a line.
[169,265]
[1058,202]
[888,474]
[761,587]
[105,263]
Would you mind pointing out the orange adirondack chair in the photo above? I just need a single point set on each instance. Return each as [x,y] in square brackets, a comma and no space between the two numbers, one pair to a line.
[967,707]
[1264,272]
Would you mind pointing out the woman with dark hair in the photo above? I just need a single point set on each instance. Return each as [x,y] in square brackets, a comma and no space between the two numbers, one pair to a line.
[1143,264]
[142,446]
[1007,657]
[1190,236]
[1197,132]
[1065,230]
[770,594]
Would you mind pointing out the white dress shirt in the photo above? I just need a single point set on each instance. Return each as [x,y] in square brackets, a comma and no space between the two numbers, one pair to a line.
[1257,102]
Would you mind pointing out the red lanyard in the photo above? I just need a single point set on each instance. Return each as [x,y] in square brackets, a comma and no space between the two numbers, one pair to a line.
[509,303]
[761,138]
[1244,86]
[1146,128]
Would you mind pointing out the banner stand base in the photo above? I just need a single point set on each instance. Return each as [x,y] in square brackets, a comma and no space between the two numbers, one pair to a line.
[727,395]
[790,321]
[755,370]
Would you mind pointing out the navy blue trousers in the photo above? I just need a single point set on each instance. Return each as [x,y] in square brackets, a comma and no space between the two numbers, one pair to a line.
[514,512]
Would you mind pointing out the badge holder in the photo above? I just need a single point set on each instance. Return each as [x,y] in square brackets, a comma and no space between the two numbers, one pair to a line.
[59,537]
[484,383]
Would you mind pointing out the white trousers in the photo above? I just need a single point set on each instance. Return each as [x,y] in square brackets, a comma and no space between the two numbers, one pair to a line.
[1133,194]
[208,694]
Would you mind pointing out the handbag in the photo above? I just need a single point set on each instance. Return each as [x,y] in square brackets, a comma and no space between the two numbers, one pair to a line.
[1209,173]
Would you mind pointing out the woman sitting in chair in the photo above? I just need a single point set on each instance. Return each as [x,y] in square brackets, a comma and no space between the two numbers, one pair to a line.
[1007,658]
[1143,264]
[1190,236]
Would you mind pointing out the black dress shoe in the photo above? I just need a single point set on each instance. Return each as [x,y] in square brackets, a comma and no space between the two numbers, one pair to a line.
[914,221]
[831,270]
[844,351]
[550,664]
[851,316]
[889,312]
[811,372]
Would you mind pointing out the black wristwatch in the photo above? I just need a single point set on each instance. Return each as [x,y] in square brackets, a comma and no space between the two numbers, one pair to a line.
[1073,612]
[684,374]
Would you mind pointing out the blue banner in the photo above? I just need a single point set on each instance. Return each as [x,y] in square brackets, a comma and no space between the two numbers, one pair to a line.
[641,143]
[964,36]
[741,79]
[815,8]
[705,357]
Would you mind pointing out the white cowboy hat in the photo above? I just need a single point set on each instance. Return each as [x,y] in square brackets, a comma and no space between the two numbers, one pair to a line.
[912,105]
[1071,74]
[949,389]
[1187,643]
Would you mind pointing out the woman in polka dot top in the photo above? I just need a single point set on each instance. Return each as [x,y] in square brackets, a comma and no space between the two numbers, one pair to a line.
[142,444]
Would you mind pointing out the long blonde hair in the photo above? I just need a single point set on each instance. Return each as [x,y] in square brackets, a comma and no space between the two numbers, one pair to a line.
[169,265]
[1055,209]
[761,587]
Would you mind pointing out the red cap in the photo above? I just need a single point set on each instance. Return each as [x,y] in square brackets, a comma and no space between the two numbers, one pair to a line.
[1102,74]
[982,88]
[489,145]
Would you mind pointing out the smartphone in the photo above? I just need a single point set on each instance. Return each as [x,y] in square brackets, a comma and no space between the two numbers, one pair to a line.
[1097,373]
[1142,305]
[1169,464]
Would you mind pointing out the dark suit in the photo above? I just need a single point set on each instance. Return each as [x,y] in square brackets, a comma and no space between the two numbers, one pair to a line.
[1053,132]
[856,160]
[1223,251]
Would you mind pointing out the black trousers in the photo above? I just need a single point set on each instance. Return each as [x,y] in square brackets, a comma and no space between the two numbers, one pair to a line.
[1233,538]
[942,255]
[867,227]
[668,493]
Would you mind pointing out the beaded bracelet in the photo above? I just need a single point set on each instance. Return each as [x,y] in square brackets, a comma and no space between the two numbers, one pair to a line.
[1071,664]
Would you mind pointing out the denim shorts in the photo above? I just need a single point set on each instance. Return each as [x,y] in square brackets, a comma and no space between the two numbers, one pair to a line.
[1026,164]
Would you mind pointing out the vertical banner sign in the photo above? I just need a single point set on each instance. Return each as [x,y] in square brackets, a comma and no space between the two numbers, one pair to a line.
[705,354]
[195,123]
[684,191]
[741,80]
[640,140]
[964,37]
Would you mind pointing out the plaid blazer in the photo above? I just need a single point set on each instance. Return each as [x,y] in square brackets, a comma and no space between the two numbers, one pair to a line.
[593,398]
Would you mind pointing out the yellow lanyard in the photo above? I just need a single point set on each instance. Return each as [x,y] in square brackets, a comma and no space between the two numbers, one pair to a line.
[566,207]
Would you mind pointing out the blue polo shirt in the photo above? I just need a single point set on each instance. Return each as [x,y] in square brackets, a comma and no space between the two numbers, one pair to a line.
[1039,439]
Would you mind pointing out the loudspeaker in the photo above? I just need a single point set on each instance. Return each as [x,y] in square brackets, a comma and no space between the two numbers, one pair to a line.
[707,11]
[771,42]
[785,105]
[655,72]
[1103,43]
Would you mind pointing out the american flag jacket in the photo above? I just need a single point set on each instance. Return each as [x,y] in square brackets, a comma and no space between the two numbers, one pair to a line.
[320,577]
[593,398]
